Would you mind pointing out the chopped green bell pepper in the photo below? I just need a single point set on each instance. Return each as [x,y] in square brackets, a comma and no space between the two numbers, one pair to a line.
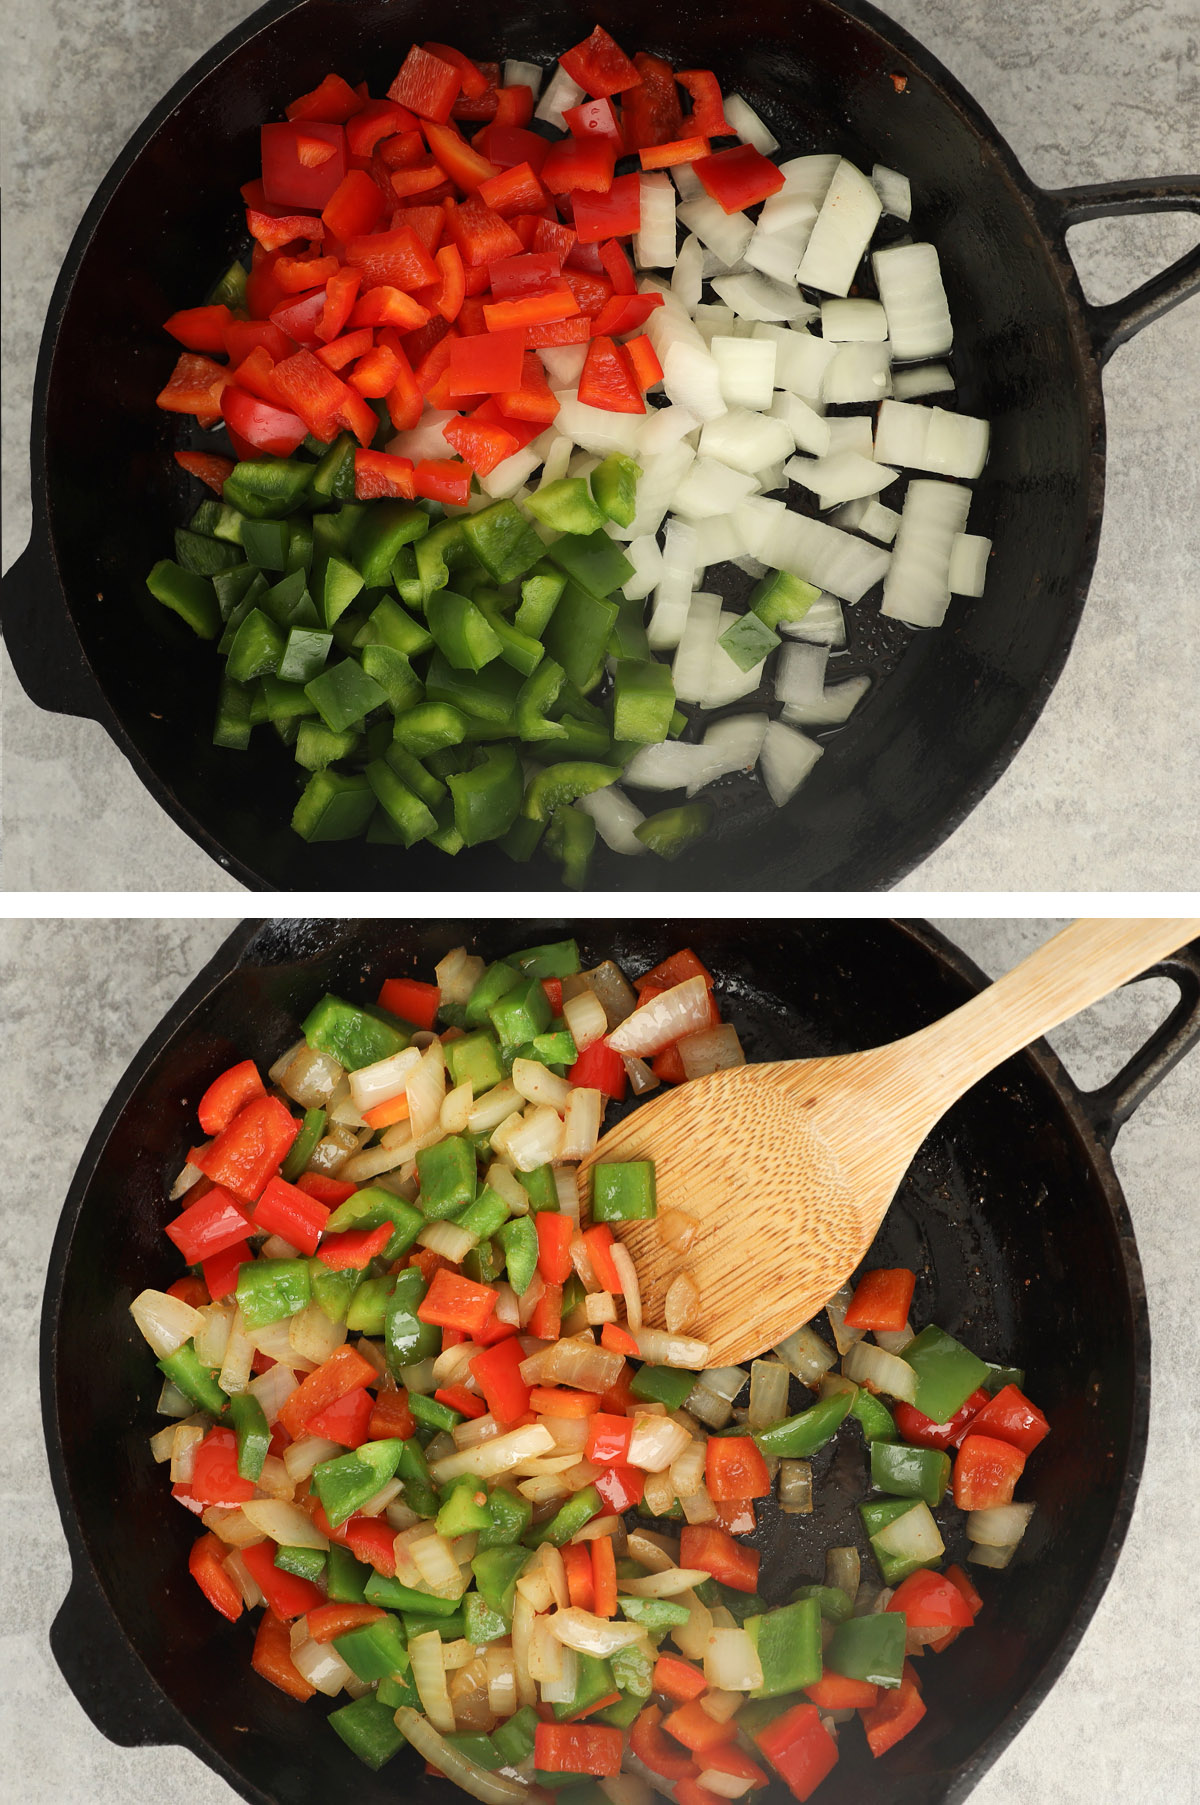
[522,1012]
[344,695]
[305,1563]
[869,1648]
[195,1381]
[511,1517]
[910,1472]
[788,1641]
[252,1431]
[947,1373]
[877,1421]
[643,701]
[497,1571]
[383,529]
[782,597]
[474,1059]
[515,1738]
[655,1613]
[540,593]
[346,1578]
[519,1240]
[355,1034]
[345,1483]
[614,485]
[566,506]
[624,1191]
[595,562]
[448,1175]
[374,1651]
[672,830]
[503,541]
[568,1519]
[267,488]
[669,1385]
[406,1339]
[748,641]
[269,1290]
[368,1728]
[487,799]
[576,636]
[798,1437]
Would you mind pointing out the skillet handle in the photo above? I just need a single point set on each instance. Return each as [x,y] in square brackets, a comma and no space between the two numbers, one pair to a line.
[106,1677]
[41,637]
[1111,1106]
[1114,323]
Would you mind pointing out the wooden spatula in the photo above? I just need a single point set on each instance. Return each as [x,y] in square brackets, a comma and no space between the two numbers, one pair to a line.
[789,1167]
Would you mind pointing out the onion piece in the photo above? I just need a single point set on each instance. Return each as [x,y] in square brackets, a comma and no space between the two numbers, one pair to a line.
[913,1537]
[969,554]
[682,1300]
[664,1349]
[787,758]
[497,1455]
[868,1365]
[693,656]
[754,296]
[616,817]
[848,216]
[285,1523]
[166,1322]
[838,702]
[916,588]
[726,233]
[627,1273]
[669,616]
[654,240]
[842,1569]
[581,1124]
[681,1010]
[591,1635]
[731,1660]
[561,92]
[1001,1526]
[795,1487]
[656,1442]
[769,1381]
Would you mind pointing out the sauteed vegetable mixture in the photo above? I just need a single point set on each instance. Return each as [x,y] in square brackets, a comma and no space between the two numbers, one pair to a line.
[478,1499]
[489,395]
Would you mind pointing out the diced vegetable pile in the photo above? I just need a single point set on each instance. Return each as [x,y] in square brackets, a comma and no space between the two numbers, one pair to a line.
[430,324]
[415,1406]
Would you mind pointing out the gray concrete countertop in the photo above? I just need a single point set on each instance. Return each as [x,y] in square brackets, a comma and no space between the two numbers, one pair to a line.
[82,996]
[1103,795]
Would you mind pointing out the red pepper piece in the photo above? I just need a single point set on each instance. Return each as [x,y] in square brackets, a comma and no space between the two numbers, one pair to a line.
[344,1371]
[330,1620]
[429,223]
[303,383]
[297,274]
[1010,1417]
[923,1432]
[882,1299]
[200,328]
[533,401]
[580,165]
[580,1586]
[618,1340]
[513,191]
[575,331]
[272,1656]
[591,292]
[958,1578]
[898,1711]
[577,1749]
[457,1397]
[387,306]
[734,1469]
[461,162]
[833,1692]
[931,1601]
[358,1246]
[479,445]
[707,118]
[509,145]
[374,374]
[300,317]
[546,1321]
[486,364]
[244,336]
[194,387]
[191,1291]
[340,293]
[371,1540]
[229,1093]
[273,231]
[287,180]
[624,313]
[650,113]
[333,101]
[474,81]
[668,156]
[524,274]
[497,1373]
[596,119]
[455,1302]
[447,480]
[667,1066]
[604,1577]
[691,1725]
[514,105]
[490,413]
[554,1234]
[405,402]
[287,1595]
[608,1439]
[215,1478]
[392,1417]
[355,207]
[617,267]
[556,301]
[426,85]
[986,1472]
[644,358]
[799,1748]
[331,1191]
[600,66]
[480,234]
[492,1332]
[736,1517]
[346,1422]
[395,259]
[244,1155]
[356,415]
[738,177]
[206,1566]
[703,1546]
[616,214]
[608,380]
[657,1751]
[677,1679]
[284,1209]
[621,1487]
[221,1269]
[207,467]
[410,999]
[418,178]
[378,119]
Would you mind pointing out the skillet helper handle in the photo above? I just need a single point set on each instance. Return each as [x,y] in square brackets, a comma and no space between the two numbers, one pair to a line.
[1115,322]
[41,637]
[1111,1106]
[105,1675]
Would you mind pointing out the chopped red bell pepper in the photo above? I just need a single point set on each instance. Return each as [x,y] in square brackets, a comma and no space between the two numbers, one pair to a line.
[677,1679]
[229,1093]
[471,75]
[650,113]
[194,387]
[457,1397]
[509,145]
[289,179]
[371,1540]
[480,234]
[418,178]
[311,390]
[669,156]
[691,1725]
[387,306]
[931,1601]
[707,118]
[344,1371]
[656,1751]
[608,379]
[332,100]
[534,401]
[455,1302]
[882,1299]
[274,230]
[221,1269]
[357,1247]
[555,301]
[395,259]
[599,1068]
[487,363]
[580,1585]
[327,1621]
[426,85]
[461,162]
[799,1748]
[598,1239]
[577,1749]
[244,1155]
[552,237]
[428,222]
[259,424]
[378,119]
[355,207]
[200,328]
[833,1692]
[986,1472]
[738,177]
[600,66]
[382,475]
[297,275]
[618,1340]
[898,1711]
[497,1373]
[575,331]
[703,1546]
[621,1487]
[736,1517]
[331,1191]
[562,1400]
[481,447]
[596,119]
[923,1432]
[617,267]
[644,359]
[341,291]
[525,274]
[356,415]
[958,1578]
[447,480]
[287,1595]
[450,292]
[375,373]
[580,165]
[347,1421]
[284,1209]
[734,1469]
[405,151]
[206,1566]
[1010,1417]
[411,999]
[391,1417]
[272,1656]
[190,1290]
[300,316]
[244,336]
[514,105]
[616,213]
[608,1439]
[493,1331]
[513,191]
[215,1478]
[667,1066]
[604,1577]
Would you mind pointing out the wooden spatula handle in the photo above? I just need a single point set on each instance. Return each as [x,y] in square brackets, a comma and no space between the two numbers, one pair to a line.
[1077,967]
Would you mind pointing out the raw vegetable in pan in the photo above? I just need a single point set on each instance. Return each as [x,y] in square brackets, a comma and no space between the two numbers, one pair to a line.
[491,395]
[482,1505]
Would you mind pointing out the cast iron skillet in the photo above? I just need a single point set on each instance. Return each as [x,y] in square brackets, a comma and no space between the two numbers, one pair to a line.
[948,710]
[1012,1216]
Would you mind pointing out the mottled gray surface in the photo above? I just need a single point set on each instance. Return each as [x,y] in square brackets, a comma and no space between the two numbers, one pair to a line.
[81,997]
[1103,796]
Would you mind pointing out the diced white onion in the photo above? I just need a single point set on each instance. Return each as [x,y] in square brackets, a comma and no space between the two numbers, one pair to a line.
[921,379]
[711,1050]
[285,1523]
[693,657]
[534,1139]
[795,1487]
[378,1083]
[591,1635]
[731,1660]
[687,280]
[806,1355]
[969,554]
[745,441]
[665,1349]
[654,240]
[673,597]
[857,372]
[913,1537]
[681,1010]
[754,296]
[748,126]
[894,191]
[848,217]
[165,1321]
[837,703]
[872,1366]
[746,367]
[853,321]
[1000,1527]
[581,1124]
[916,588]
[909,280]
[497,1455]
[727,234]
[561,92]
[656,1442]
[615,816]
[769,1380]
[787,758]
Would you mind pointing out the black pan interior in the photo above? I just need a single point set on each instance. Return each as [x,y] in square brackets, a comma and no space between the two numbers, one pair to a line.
[1013,1225]
[948,708]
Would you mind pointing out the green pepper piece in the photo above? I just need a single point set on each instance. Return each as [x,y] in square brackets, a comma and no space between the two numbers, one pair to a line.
[460,631]
[910,1472]
[258,647]
[252,1431]
[571,839]
[672,830]
[450,1629]
[577,633]
[998,1377]
[230,289]
[556,785]
[496,1572]
[566,506]
[594,1681]
[482,1262]
[333,1291]
[515,1738]
[368,1729]
[434,1414]
[302,1148]
[535,699]
[516,649]
[448,1176]
[487,799]
[475,1058]
[632,1671]
[339,585]
[332,806]
[624,1191]
[267,488]
[391,1594]
[230,587]
[284,702]
[367,1310]
[748,641]
[265,543]
[740,1605]
[568,1519]
[869,1648]
[305,1563]
[614,485]
[378,536]
[355,1034]
[333,478]
[655,1613]
[877,1421]
[488,697]
[503,541]
[188,595]
[235,715]
[540,594]
[428,727]
[643,701]
[521,840]
[394,675]
[553,1050]
[798,1437]
[408,1340]
[542,1189]
[486,1216]
[628,1707]
[374,1651]
[346,1482]
[304,654]
[345,1577]
[511,1517]
[344,695]
[412,818]
[464,1507]
[947,1373]
[269,1290]
[475,1745]
[195,1381]
[782,597]
[394,1692]
[520,1013]
[628,639]
[595,562]
[831,1601]
[389,624]
[288,602]
[519,1240]
[788,1641]
[205,556]
[498,978]
[669,1385]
